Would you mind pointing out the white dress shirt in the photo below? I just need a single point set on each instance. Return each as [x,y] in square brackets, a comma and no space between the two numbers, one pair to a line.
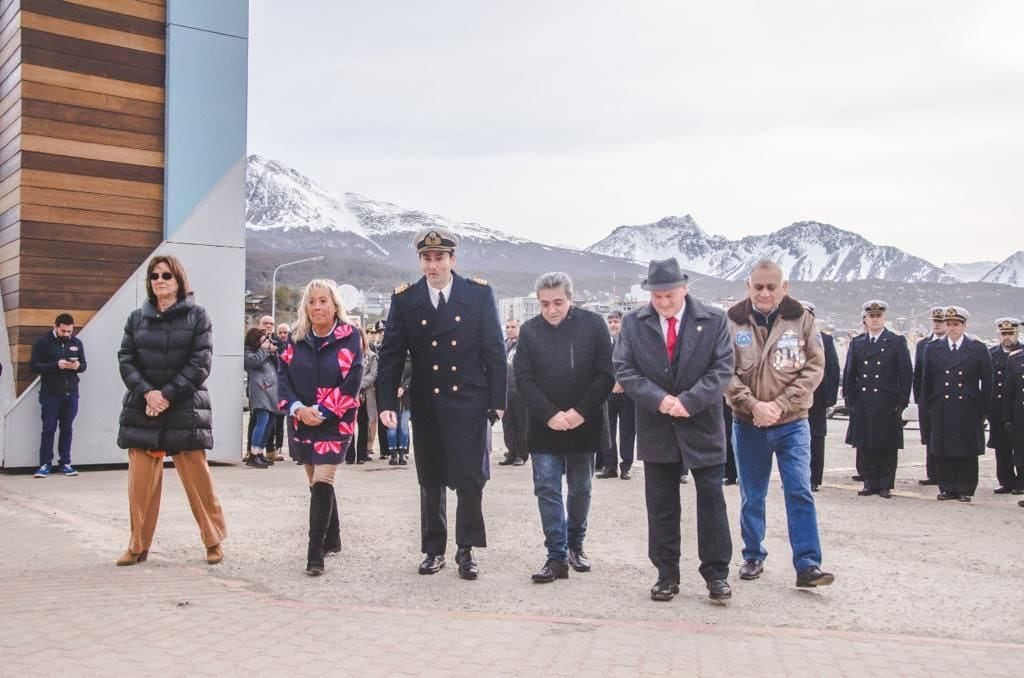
[435,293]
[955,345]
[873,337]
[679,324]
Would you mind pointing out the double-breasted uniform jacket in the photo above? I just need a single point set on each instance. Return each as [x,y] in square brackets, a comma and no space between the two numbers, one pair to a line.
[877,382]
[827,393]
[1013,398]
[920,356]
[458,374]
[956,389]
[698,376]
[998,438]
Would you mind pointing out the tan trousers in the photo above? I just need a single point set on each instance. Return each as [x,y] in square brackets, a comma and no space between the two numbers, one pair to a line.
[145,484]
[320,473]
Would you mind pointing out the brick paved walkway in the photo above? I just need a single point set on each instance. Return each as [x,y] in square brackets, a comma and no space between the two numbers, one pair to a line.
[66,610]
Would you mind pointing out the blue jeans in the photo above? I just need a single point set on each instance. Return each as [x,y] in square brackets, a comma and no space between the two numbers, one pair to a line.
[261,432]
[56,409]
[791,445]
[563,532]
[398,437]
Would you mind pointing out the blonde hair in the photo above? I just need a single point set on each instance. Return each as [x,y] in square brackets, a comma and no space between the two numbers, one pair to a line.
[302,322]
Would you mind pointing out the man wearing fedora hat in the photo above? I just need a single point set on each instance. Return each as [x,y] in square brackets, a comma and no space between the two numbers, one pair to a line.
[674,358]
[450,327]
[1008,473]
[956,390]
[938,316]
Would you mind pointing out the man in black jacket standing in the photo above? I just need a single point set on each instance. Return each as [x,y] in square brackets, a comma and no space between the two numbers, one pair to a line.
[825,396]
[513,424]
[450,327]
[1009,475]
[876,383]
[938,315]
[563,370]
[621,420]
[58,358]
[674,358]
[956,388]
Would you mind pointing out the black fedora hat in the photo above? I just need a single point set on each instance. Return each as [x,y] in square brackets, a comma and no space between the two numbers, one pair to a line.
[663,274]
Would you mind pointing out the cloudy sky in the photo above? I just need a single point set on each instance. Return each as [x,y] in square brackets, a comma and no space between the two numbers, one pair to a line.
[902,120]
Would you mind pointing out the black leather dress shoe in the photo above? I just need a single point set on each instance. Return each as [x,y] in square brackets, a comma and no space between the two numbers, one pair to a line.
[946,496]
[507,461]
[1020,504]
[550,571]
[927,481]
[468,567]
[1002,490]
[625,475]
[866,492]
[608,473]
[857,478]
[665,589]
[965,498]
[432,563]
[812,577]
[751,569]
[719,590]
[579,561]
[885,494]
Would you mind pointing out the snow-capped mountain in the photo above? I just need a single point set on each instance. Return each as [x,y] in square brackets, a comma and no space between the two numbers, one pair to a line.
[806,250]
[289,214]
[972,272]
[1010,271]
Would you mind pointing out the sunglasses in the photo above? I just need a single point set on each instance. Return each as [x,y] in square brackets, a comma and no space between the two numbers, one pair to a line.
[166,275]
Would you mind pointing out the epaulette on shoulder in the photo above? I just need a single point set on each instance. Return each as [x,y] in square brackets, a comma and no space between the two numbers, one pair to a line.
[1019,351]
[401,288]
[478,281]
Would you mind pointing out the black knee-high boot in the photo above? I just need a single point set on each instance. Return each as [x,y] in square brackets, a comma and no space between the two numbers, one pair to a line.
[332,539]
[319,516]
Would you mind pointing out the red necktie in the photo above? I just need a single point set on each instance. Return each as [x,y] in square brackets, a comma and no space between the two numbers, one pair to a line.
[670,340]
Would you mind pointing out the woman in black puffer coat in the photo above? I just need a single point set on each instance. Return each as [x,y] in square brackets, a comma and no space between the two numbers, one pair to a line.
[165,360]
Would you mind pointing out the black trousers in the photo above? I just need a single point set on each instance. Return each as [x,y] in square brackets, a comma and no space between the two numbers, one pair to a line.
[621,421]
[513,428]
[859,462]
[469,518]
[957,475]
[879,467]
[929,464]
[362,433]
[817,459]
[1008,473]
[714,543]
[730,454]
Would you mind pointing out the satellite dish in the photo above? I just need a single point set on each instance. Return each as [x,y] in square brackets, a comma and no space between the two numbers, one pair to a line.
[351,296]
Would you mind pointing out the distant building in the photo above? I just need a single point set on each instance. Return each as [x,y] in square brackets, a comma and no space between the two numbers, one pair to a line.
[518,308]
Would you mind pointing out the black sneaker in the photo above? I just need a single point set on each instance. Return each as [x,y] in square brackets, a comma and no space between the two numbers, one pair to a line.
[812,577]
[578,559]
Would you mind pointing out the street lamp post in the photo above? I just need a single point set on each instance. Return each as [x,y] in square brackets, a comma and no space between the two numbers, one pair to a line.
[273,283]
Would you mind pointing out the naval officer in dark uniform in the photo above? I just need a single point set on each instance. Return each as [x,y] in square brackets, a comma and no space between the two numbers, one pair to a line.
[956,389]
[877,383]
[825,396]
[1013,409]
[1008,473]
[450,327]
[938,315]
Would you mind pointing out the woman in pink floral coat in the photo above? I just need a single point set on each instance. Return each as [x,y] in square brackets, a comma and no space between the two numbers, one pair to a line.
[318,382]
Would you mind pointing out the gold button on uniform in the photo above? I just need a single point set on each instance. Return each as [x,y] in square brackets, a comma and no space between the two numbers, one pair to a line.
[458,318]
[455,388]
[454,368]
[454,342]
[435,368]
[437,390]
[434,342]
[423,322]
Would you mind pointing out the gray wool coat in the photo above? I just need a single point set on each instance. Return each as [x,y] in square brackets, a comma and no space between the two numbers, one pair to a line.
[261,372]
[699,376]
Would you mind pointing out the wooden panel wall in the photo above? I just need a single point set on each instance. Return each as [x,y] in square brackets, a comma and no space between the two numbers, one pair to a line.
[81,157]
